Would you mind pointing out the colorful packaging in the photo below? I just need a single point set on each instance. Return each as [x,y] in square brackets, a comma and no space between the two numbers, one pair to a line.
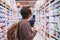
[59,10]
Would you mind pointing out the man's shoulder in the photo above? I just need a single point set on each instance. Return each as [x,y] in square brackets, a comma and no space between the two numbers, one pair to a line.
[25,22]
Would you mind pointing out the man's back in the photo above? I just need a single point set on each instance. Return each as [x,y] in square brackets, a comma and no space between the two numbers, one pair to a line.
[25,32]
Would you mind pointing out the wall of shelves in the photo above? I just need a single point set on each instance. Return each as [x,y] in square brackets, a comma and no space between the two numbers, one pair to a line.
[7,17]
[50,20]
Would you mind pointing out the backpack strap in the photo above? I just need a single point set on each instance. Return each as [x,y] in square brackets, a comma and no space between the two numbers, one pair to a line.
[18,29]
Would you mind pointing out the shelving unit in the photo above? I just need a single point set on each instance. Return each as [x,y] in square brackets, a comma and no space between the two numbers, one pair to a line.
[50,20]
[6,19]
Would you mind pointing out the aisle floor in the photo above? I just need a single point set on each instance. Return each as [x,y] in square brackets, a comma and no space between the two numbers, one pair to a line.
[39,37]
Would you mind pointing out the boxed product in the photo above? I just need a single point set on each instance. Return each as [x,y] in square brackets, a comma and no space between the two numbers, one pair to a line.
[1,24]
[54,34]
[0,33]
[0,14]
[46,34]
[58,36]
[3,19]
[51,19]
[55,11]
[56,19]
[56,5]
[56,27]
[51,25]
[1,10]
[51,7]
[59,22]
[59,10]
[51,32]
[0,19]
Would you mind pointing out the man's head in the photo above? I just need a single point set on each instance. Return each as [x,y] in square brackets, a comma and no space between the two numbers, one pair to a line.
[26,12]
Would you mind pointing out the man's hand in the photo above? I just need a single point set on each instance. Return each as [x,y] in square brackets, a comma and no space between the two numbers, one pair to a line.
[37,28]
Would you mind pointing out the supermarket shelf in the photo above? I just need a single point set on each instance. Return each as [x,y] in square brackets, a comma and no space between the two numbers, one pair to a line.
[55,2]
[54,22]
[45,31]
[50,35]
[48,3]
[44,5]
[54,36]
[5,6]
[55,15]
[55,30]
[50,16]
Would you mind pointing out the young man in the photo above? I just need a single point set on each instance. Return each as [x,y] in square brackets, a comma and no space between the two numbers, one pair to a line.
[24,31]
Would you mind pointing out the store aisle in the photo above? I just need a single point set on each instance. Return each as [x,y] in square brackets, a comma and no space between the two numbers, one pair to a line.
[39,37]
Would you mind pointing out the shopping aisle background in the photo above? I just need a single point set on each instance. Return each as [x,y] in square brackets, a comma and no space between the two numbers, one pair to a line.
[47,14]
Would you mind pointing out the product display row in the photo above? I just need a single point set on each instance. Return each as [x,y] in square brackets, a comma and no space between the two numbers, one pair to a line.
[6,20]
[50,20]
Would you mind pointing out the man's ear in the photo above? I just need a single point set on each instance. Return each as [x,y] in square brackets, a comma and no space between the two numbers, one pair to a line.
[29,15]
